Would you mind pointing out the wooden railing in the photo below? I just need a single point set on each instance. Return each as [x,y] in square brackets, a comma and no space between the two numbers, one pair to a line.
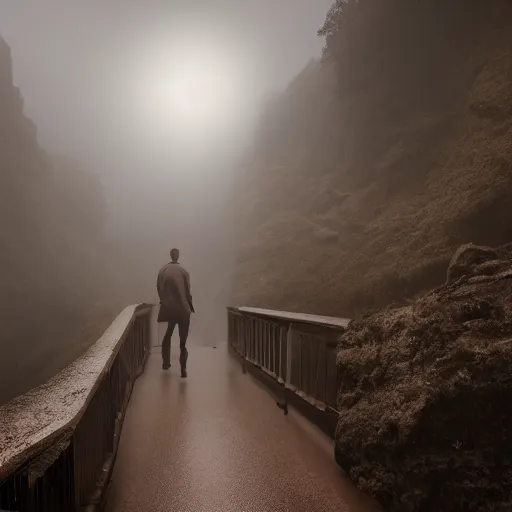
[58,442]
[297,351]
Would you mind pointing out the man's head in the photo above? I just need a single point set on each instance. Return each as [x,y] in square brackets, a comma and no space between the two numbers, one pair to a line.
[175,255]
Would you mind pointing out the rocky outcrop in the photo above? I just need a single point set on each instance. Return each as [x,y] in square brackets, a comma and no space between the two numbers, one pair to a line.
[51,217]
[425,393]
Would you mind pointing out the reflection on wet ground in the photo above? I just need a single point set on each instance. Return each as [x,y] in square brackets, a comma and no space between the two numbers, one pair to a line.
[217,442]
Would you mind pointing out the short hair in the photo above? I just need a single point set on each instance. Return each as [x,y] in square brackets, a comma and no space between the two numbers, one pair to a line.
[175,254]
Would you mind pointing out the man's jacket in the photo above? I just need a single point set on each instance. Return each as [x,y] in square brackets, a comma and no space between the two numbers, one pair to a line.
[173,285]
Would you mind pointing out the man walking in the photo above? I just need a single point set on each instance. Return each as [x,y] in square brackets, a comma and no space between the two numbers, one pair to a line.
[173,285]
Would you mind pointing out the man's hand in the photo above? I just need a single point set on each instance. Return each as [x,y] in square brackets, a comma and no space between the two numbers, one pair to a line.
[191,306]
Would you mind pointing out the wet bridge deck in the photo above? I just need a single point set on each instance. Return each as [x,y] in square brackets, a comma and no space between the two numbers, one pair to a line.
[217,442]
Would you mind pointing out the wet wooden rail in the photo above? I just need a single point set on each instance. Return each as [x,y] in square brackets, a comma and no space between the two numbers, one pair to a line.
[58,442]
[296,351]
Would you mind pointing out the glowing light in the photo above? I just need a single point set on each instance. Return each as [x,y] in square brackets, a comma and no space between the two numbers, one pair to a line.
[187,91]
[198,89]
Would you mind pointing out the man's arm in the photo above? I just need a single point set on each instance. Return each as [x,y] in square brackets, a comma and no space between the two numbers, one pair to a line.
[187,291]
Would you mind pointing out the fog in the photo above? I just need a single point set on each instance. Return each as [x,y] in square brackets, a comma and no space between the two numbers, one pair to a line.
[159,98]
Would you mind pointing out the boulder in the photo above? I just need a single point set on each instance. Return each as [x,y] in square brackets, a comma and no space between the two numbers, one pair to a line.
[425,393]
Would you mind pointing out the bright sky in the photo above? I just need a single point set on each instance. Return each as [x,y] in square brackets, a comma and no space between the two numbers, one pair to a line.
[160,97]
[98,74]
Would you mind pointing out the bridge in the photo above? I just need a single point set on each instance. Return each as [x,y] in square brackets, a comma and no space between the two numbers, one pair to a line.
[250,430]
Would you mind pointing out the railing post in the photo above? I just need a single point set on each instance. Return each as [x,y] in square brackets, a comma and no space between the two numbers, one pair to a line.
[288,379]
[243,329]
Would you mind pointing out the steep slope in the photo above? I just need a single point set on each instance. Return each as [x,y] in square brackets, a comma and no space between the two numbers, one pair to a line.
[363,188]
[50,259]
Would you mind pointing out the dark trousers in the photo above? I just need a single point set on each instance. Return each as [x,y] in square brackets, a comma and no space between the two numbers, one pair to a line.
[183,327]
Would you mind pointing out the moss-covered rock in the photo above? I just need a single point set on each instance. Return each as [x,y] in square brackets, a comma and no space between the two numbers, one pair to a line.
[425,394]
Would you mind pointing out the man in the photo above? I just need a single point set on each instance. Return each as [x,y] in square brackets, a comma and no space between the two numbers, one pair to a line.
[173,285]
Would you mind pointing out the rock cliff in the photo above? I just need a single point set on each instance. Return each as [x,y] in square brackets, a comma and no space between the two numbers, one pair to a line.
[52,216]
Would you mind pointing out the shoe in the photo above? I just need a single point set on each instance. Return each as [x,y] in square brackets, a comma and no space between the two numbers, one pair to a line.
[183,373]
[166,366]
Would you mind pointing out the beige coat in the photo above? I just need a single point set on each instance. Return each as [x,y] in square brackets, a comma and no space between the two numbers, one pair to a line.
[173,285]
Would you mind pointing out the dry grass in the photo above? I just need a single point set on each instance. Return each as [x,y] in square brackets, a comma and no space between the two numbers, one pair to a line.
[311,241]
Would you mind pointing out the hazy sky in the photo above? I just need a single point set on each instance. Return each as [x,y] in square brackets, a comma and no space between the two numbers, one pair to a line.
[159,97]
[72,56]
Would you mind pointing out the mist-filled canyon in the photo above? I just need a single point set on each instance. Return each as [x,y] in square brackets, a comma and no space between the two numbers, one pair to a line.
[77,246]
[345,158]
[122,128]
[380,159]
[292,179]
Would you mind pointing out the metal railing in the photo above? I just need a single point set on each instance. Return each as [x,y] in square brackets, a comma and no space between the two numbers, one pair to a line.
[298,351]
[58,442]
